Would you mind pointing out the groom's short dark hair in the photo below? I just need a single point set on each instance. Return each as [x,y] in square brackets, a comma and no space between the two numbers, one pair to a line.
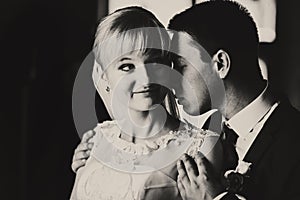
[221,24]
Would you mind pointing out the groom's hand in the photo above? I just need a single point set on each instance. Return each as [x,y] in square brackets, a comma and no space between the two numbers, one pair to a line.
[196,179]
[82,152]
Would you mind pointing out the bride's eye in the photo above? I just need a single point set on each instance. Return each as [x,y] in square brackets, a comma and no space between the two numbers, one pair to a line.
[126,67]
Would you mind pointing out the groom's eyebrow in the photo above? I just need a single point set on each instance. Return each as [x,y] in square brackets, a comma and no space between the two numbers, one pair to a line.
[173,56]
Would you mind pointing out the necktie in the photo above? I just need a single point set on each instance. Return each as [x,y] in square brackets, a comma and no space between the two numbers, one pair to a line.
[229,138]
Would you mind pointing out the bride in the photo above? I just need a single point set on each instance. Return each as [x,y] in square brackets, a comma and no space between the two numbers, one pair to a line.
[134,156]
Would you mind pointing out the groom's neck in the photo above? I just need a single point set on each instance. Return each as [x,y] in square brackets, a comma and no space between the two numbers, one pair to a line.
[239,97]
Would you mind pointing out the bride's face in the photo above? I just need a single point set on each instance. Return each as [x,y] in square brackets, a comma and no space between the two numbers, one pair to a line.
[133,79]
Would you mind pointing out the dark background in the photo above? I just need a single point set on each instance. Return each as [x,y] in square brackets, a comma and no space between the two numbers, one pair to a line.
[43,44]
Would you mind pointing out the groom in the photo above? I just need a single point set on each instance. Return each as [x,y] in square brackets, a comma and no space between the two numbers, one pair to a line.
[263,125]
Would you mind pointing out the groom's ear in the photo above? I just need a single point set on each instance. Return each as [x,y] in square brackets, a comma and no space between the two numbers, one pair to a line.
[221,63]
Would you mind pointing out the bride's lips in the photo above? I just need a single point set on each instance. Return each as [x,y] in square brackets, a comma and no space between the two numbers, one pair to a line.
[147,90]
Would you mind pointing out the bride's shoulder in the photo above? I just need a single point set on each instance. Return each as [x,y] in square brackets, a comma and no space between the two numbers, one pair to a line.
[188,130]
[201,139]
[106,125]
[108,129]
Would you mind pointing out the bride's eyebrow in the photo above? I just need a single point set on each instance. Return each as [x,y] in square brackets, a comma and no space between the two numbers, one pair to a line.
[125,58]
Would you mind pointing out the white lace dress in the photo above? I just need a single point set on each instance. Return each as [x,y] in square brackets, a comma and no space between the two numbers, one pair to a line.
[121,170]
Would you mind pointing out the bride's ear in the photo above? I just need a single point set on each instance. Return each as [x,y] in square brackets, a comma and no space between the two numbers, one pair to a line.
[97,70]
[99,78]
[98,73]
[102,86]
[105,83]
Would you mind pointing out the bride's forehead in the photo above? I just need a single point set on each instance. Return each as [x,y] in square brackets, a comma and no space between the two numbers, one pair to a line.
[139,42]
[130,48]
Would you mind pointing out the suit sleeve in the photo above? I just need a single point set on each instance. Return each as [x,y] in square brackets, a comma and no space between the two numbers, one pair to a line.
[292,185]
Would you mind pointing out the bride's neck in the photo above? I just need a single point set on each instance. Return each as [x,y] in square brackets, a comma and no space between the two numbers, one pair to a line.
[145,124]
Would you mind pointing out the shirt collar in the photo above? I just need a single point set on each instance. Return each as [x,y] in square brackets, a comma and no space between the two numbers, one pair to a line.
[245,120]
[197,121]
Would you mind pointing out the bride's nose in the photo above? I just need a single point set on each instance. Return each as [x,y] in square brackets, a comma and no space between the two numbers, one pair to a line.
[144,75]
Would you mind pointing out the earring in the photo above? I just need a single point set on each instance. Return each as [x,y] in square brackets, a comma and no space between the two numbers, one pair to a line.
[107,89]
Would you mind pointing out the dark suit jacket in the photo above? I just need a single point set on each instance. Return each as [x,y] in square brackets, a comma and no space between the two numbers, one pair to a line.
[275,157]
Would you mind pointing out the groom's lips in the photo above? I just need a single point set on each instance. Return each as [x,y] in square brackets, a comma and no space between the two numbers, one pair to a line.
[180,100]
[143,91]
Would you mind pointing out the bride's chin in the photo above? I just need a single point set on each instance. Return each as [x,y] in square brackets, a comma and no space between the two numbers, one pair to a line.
[147,106]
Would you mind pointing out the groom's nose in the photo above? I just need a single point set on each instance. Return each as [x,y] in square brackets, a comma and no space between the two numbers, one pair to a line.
[176,81]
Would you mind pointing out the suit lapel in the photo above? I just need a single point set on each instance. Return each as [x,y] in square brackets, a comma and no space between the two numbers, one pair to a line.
[267,134]
[259,146]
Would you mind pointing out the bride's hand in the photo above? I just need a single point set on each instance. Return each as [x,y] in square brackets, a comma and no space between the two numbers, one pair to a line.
[82,152]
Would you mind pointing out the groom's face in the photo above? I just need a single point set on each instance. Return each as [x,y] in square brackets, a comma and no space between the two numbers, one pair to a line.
[193,63]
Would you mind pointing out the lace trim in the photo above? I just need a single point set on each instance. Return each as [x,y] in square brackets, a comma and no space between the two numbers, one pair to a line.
[111,132]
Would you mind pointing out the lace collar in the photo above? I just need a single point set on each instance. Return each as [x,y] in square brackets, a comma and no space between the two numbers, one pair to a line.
[112,133]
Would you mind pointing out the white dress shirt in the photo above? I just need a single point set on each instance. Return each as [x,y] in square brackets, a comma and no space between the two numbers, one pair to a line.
[248,123]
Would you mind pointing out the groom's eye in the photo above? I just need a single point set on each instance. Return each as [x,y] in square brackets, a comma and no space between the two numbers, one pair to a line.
[179,63]
[126,67]
[179,66]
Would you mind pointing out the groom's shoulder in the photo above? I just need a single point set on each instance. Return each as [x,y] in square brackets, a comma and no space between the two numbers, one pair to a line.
[290,115]
[283,127]
[284,115]
[287,126]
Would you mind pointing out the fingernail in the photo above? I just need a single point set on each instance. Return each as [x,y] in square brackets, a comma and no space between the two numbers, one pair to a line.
[185,157]
[179,163]
[89,132]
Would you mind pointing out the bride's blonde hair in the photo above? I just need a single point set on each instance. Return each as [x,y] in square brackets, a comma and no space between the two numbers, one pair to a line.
[126,30]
